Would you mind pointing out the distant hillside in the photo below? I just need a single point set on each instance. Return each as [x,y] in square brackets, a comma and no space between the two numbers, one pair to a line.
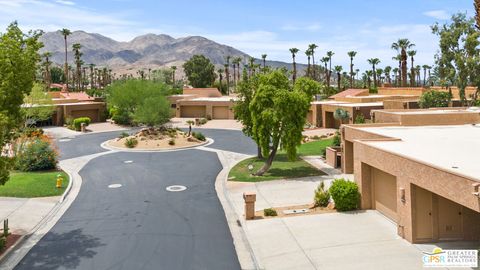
[143,52]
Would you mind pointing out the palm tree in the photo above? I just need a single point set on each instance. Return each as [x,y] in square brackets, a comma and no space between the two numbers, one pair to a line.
[411,54]
[357,71]
[329,55]
[220,77]
[387,71]
[294,51]
[338,70]
[425,67]
[234,66]
[308,53]
[379,72]
[368,74]
[325,60]
[46,64]
[227,73]
[65,32]
[351,54]
[399,69]
[238,60]
[395,72]
[264,58]
[373,62]
[78,62]
[418,68]
[251,66]
[402,45]
[92,81]
[174,68]
[312,48]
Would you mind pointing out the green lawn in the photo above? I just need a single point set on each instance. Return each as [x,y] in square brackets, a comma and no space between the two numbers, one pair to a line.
[33,184]
[281,168]
[315,148]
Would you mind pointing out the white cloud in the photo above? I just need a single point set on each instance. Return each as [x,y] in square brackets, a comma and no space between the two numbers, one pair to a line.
[437,14]
[302,27]
[64,2]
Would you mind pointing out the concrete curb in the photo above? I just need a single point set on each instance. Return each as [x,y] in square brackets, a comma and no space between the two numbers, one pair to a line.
[105,145]
[15,254]
[244,249]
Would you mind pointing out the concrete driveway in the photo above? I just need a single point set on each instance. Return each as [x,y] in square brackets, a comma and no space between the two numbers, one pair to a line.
[141,225]
[360,240]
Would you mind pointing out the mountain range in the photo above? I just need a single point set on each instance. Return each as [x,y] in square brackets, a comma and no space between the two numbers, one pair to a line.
[143,52]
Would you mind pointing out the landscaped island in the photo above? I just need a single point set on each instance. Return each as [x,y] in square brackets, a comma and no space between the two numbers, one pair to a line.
[162,138]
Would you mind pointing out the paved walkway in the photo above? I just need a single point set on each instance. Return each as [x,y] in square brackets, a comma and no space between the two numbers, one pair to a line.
[24,214]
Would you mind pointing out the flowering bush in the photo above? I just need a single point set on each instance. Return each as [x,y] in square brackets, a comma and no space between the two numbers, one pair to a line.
[36,154]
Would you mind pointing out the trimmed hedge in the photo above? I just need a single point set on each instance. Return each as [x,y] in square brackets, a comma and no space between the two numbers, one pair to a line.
[77,123]
[345,194]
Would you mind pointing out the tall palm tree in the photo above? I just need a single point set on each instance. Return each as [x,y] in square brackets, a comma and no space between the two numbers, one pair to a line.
[338,70]
[329,55]
[312,48]
[251,66]
[351,54]
[65,32]
[47,76]
[174,68]
[401,46]
[411,54]
[220,77]
[387,71]
[234,66]
[308,53]
[425,68]
[264,58]
[325,60]
[294,51]
[374,62]
[227,72]
[78,62]
[379,72]
[418,68]
[357,72]
[92,80]
[238,60]
[368,74]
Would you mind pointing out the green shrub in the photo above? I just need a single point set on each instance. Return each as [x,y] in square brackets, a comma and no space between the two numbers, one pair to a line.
[345,194]
[123,135]
[122,117]
[36,155]
[373,90]
[171,141]
[209,117]
[360,119]
[336,139]
[69,122]
[322,196]
[131,142]
[3,242]
[270,212]
[77,123]
[202,121]
[315,137]
[433,99]
[199,136]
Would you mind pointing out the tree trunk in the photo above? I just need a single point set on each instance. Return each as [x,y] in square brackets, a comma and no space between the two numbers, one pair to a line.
[259,152]
[351,72]
[294,70]
[268,162]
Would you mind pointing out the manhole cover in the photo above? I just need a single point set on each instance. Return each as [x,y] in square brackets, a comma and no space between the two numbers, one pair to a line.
[114,186]
[176,188]
[128,161]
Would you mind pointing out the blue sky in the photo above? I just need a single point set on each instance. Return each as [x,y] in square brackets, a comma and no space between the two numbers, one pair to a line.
[255,27]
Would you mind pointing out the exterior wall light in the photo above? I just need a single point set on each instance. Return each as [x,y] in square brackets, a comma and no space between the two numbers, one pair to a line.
[402,195]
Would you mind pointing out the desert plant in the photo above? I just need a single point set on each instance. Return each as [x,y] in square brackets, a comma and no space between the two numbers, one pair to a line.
[36,155]
[360,119]
[202,121]
[209,117]
[171,141]
[123,135]
[131,142]
[345,194]
[322,196]
[336,139]
[77,123]
[199,136]
[341,114]
[270,212]
[3,242]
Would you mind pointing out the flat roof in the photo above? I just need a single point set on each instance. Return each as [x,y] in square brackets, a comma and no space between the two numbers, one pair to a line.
[328,102]
[365,104]
[451,148]
[434,112]
[226,98]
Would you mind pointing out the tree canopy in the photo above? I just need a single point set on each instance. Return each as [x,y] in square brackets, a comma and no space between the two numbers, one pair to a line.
[199,71]
[38,104]
[18,59]
[139,101]
[274,112]
[433,99]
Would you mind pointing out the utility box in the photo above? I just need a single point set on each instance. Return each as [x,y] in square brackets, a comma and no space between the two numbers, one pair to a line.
[250,198]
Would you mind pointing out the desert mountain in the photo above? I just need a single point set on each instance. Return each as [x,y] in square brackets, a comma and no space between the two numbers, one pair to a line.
[143,52]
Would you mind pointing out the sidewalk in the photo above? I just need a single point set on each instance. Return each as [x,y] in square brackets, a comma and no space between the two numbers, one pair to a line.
[24,214]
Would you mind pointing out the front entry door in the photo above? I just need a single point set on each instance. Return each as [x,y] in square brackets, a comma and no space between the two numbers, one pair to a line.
[449,220]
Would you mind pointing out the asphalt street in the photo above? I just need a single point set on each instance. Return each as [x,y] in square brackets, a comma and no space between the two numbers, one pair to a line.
[141,225]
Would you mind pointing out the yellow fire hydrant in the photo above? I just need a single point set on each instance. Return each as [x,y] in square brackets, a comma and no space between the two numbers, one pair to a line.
[59,181]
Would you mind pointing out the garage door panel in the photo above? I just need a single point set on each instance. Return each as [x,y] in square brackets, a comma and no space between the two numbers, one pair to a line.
[192,111]
[385,195]
[220,112]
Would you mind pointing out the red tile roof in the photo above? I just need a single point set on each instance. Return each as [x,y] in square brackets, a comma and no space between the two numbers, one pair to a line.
[80,96]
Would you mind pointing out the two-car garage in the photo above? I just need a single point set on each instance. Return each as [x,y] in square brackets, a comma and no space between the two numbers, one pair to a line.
[202,111]
[192,111]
